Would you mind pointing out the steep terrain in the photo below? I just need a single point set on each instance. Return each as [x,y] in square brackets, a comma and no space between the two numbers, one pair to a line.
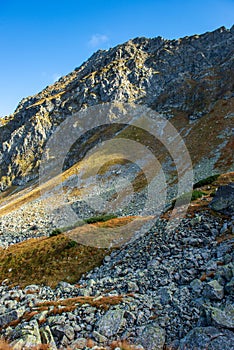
[166,281]
[184,79]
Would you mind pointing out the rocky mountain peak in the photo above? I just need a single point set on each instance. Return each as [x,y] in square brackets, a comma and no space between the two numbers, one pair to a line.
[174,77]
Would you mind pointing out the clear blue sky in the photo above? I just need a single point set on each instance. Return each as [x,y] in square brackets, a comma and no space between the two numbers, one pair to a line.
[42,40]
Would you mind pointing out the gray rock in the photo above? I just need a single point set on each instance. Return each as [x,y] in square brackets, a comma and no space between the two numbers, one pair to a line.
[223,200]
[196,286]
[226,271]
[99,337]
[111,323]
[47,337]
[132,287]
[79,343]
[203,338]
[151,337]
[223,318]
[213,290]
[11,316]
[229,288]
[165,295]
[29,336]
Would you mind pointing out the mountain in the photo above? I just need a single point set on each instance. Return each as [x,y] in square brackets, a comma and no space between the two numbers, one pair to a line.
[116,202]
[189,80]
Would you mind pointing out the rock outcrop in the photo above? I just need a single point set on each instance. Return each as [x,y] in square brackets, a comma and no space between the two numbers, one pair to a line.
[223,200]
[170,287]
[179,78]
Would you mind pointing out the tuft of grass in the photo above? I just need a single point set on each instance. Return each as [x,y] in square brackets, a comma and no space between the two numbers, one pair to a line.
[197,194]
[56,232]
[71,244]
[187,197]
[67,305]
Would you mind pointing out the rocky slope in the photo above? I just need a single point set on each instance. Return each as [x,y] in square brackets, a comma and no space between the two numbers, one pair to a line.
[162,291]
[185,79]
[170,288]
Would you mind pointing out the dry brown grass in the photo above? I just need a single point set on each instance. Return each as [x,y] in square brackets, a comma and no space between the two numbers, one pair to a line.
[71,303]
[67,305]
[48,261]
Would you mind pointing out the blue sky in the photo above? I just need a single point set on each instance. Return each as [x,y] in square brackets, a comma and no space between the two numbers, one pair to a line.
[42,40]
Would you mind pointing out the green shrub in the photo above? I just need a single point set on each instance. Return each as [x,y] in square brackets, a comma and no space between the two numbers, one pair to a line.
[101,218]
[56,232]
[71,244]
[196,194]
[187,198]
[207,181]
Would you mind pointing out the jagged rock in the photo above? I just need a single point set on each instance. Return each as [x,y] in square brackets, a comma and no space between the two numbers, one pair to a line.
[111,323]
[196,286]
[63,332]
[47,337]
[223,318]
[223,200]
[152,261]
[79,343]
[28,337]
[99,337]
[11,316]
[229,288]
[213,290]
[151,337]
[226,271]
[211,338]
[132,287]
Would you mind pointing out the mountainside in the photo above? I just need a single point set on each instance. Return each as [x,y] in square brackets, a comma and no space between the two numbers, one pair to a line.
[184,79]
[117,202]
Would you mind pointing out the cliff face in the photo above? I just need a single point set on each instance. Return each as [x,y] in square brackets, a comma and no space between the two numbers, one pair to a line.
[189,80]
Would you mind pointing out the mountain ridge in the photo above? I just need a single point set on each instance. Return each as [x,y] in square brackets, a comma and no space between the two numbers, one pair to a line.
[91,257]
[185,76]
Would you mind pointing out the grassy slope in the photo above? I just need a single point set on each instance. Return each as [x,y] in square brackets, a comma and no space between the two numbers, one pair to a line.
[49,260]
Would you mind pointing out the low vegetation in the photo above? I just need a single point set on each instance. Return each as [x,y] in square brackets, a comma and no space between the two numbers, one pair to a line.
[101,218]
[207,181]
[91,220]
[197,194]
[48,261]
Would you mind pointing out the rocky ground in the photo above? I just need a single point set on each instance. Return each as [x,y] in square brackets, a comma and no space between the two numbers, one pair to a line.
[169,288]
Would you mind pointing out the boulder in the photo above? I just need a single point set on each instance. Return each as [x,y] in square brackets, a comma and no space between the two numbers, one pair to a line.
[151,337]
[28,337]
[213,290]
[11,316]
[211,338]
[223,318]
[47,337]
[111,323]
[223,201]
